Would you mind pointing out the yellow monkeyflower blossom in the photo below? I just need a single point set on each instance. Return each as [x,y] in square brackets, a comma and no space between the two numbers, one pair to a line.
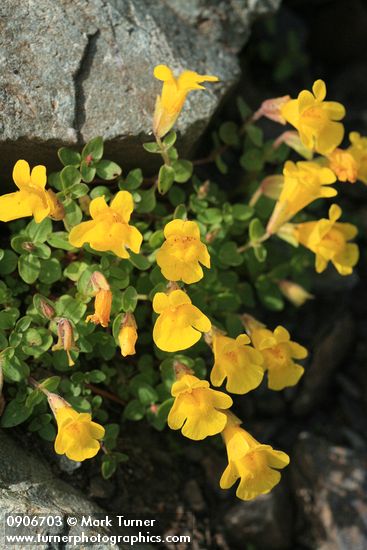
[32,199]
[358,150]
[197,409]
[328,239]
[180,254]
[255,464]
[304,182]
[278,352]
[78,436]
[315,119]
[102,308]
[237,361]
[180,323]
[174,92]
[109,229]
[128,335]
[343,164]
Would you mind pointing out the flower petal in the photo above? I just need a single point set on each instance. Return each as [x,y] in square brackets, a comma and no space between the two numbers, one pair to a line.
[21,173]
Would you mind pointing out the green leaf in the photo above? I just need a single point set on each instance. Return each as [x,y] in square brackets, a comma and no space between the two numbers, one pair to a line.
[183,170]
[139,261]
[69,157]
[166,178]
[129,299]
[36,341]
[170,139]
[79,190]
[51,383]
[180,212]
[242,212]
[229,133]
[255,134]
[244,109]
[8,262]
[38,232]
[69,307]
[70,176]
[228,254]
[260,253]
[74,270]
[221,165]
[176,196]
[108,170]
[8,318]
[60,239]
[14,369]
[156,239]
[93,149]
[87,171]
[147,201]
[50,271]
[134,410]
[152,147]
[73,215]
[100,191]
[256,230]
[252,160]
[269,294]
[133,180]
[54,180]
[15,413]
[147,394]
[29,267]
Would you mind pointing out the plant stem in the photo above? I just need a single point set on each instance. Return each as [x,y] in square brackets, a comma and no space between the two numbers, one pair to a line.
[163,151]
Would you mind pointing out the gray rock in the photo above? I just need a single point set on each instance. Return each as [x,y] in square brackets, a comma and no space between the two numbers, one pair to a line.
[28,486]
[330,486]
[265,522]
[74,69]
[329,353]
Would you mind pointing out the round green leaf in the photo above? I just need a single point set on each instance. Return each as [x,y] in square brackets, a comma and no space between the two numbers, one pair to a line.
[29,267]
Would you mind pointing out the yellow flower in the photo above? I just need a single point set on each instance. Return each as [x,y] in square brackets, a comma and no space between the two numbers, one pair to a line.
[328,239]
[180,324]
[180,254]
[109,229]
[304,182]
[102,308]
[235,360]
[315,119]
[32,199]
[197,409]
[253,463]
[128,335]
[278,352]
[358,149]
[343,164]
[174,91]
[78,436]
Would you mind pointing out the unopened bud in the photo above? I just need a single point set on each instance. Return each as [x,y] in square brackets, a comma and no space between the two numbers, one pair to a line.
[65,340]
[28,246]
[128,335]
[271,108]
[294,292]
[46,309]
[203,190]
[99,281]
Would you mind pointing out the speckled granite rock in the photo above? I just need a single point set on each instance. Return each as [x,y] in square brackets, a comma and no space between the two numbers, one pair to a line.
[74,69]
[28,486]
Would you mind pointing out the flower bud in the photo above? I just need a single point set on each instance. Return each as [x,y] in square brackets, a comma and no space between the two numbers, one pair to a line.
[65,338]
[271,108]
[128,335]
[294,292]
[46,308]
[99,282]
